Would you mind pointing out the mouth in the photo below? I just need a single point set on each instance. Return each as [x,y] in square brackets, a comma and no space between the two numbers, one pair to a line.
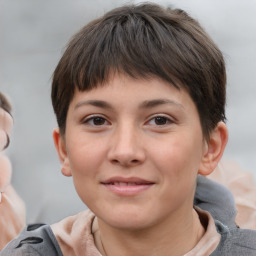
[127,186]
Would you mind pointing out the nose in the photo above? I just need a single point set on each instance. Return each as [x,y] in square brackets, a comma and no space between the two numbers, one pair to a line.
[126,147]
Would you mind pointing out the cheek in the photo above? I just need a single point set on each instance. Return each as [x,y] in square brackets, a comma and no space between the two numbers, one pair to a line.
[178,158]
[84,164]
[85,158]
[177,172]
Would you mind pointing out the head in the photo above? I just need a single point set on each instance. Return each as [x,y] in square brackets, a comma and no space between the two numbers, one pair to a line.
[139,96]
[143,41]
[6,121]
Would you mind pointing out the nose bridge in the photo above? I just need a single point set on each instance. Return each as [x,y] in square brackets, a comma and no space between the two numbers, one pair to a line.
[126,146]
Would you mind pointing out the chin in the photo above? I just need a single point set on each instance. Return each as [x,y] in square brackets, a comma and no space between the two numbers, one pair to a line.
[129,225]
[130,221]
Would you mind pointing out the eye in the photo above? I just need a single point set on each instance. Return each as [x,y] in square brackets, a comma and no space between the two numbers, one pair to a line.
[160,121]
[95,121]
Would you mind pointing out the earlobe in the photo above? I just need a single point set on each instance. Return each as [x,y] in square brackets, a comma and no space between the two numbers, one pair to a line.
[214,149]
[62,153]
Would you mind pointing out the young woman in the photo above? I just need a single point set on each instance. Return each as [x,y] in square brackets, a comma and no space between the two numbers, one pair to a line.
[139,97]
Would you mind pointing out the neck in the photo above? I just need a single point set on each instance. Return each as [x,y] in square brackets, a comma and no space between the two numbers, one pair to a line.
[178,237]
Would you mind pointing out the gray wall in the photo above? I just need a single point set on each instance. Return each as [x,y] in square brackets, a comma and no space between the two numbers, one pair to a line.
[33,34]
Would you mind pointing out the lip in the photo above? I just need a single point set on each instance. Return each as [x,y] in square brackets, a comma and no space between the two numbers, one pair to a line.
[127,186]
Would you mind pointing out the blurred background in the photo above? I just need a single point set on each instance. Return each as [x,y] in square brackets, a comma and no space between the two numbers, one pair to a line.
[33,35]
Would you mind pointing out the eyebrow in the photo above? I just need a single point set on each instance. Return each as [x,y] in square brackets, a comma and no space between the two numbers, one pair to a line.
[96,103]
[144,104]
[157,102]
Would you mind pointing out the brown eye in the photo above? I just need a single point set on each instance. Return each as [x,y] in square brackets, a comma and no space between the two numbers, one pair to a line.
[95,121]
[160,120]
[98,121]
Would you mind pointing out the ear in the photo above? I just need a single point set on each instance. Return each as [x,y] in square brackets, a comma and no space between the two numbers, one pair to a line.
[214,149]
[60,146]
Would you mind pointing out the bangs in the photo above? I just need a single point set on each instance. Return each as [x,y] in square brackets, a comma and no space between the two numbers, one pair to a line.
[135,46]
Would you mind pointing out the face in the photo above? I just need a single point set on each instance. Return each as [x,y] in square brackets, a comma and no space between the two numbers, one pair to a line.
[134,148]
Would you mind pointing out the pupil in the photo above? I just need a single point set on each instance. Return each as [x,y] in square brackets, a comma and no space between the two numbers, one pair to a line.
[98,121]
[160,120]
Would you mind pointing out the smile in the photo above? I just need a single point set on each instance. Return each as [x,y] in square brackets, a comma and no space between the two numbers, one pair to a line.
[127,187]
[125,183]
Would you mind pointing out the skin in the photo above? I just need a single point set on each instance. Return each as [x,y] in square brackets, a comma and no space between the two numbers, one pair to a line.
[134,148]
[12,215]
[12,208]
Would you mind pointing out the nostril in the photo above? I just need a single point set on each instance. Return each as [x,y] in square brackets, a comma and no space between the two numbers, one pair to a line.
[125,162]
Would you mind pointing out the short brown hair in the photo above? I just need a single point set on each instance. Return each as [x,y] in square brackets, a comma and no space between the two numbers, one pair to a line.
[142,41]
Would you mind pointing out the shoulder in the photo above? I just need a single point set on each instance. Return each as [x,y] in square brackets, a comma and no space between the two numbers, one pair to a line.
[235,241]
[219,202]
[41,239]
[36,239]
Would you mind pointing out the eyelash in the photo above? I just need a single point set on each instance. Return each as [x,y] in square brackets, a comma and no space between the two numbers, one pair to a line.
[164,118]
[93,119]
[103,121]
